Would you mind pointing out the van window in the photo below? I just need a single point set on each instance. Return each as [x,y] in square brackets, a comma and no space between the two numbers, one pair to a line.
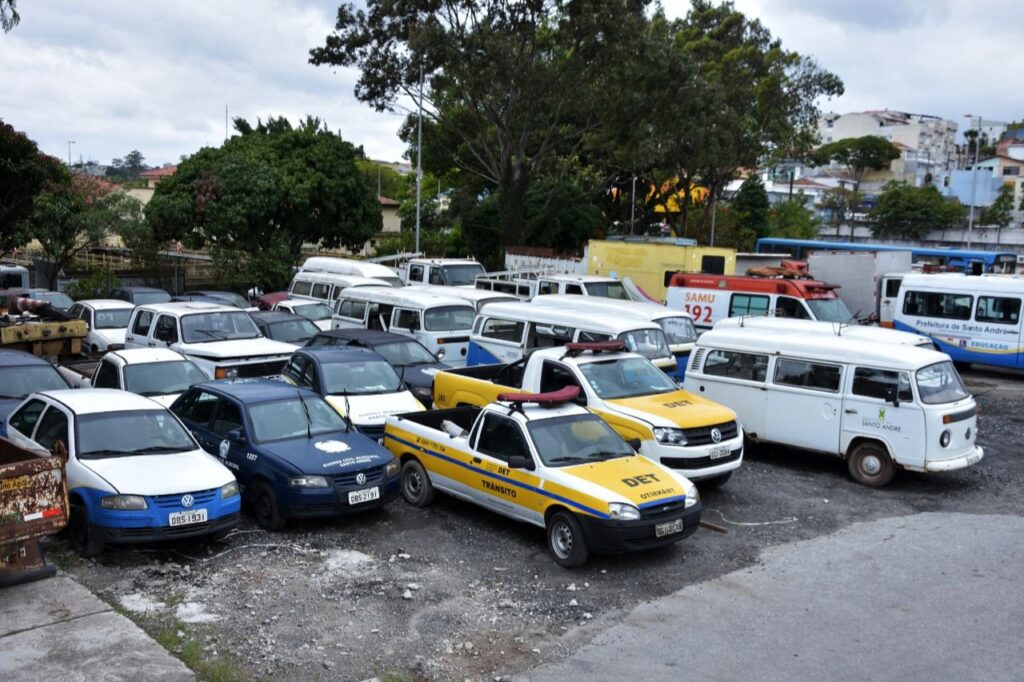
[353,309]
[938,304]
[408,319]
[548,336]
[450,318]
[592,337]
[142,322]
[743,366]
[892,288]
[436,276]
[301,288]
[998,310]
[415,273]
[503,330]
[573,289]
[379,316]
[545,287]
[790,307]
[321,291]
[748,304]
[807,375]
[875,383]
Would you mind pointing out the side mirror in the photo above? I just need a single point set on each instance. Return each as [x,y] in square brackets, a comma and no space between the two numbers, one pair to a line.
[439,355]
[635,444]
[520,462]
[237,436]
[892,396]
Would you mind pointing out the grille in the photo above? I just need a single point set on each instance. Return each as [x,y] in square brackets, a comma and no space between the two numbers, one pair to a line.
[662,510]
[373,475]
[261,369]
[174,501]
[702,435]
[700,462]
[372,432]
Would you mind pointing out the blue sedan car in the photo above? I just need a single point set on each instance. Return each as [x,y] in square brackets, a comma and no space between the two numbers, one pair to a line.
[293,455]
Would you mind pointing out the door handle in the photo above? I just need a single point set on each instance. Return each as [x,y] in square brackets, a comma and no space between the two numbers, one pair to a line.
[477,460]
[849,411]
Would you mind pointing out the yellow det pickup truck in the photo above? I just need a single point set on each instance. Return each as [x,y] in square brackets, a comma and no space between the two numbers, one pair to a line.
[699,438]
[544,460]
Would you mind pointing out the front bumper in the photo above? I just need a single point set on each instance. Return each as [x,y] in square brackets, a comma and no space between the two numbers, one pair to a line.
[322,502]
[616,537]
[123,535]
[695,462]
[967,460]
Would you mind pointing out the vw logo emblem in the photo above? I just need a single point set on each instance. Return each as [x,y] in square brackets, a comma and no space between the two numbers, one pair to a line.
[716,435]
[360,478]
[187,500]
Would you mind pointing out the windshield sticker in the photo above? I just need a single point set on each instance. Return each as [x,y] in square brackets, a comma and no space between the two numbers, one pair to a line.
[349,461]
[332,446]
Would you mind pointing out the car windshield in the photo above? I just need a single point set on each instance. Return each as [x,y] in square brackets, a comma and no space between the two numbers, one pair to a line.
[113,319]
[364,377]
[607,290]
[576,439]
[626,378]
[298,331]
[678,330]
[461,275]
[162,378]
[54,298]
[940,383]
[138,432]
[829,309]
[454,318]
[204,327]
[649,343]
[287,419]
[313,311]
[18,382]
[147,297]
[405,353]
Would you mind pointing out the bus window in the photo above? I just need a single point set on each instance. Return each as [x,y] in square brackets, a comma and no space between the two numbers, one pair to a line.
[998,310]
[937,304]
[748,304]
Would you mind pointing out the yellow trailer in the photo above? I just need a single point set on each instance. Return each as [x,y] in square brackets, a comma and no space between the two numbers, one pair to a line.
[651,263]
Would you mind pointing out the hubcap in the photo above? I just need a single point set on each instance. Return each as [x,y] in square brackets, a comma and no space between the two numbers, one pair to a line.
[871,465]
[561,540]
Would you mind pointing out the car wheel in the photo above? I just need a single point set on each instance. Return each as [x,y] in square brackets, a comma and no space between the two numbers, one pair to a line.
[870,464]
[416,486]
[566,543]
[715,482]
[266,507]
[83,539]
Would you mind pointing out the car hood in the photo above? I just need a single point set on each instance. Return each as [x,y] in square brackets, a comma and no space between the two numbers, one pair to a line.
[421,376]
[111,336]
[677,408]
[161,474]
[372,410]
[323,325]
[238,348]
[331,453]
[636,480]
[7,406]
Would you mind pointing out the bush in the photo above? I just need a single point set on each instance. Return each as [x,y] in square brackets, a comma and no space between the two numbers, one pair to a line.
[95,285]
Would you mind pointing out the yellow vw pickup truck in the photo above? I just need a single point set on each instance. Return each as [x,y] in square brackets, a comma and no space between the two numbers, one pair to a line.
[700,439]
[544,460]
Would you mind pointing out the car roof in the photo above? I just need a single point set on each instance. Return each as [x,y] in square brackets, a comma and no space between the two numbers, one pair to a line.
[336,354]
[406,296]
[107,304]
[475,295]
[587,319]
[140,356]
[251,391]
[275,316]
[646,309]
[371,336]
[93,400]
[960,282]
[186,307]
[10,357]
[584,279]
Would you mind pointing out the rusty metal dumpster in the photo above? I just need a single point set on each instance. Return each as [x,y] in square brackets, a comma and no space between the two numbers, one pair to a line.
[33,504]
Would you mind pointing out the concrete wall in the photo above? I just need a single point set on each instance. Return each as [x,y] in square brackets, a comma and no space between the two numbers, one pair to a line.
[392,223]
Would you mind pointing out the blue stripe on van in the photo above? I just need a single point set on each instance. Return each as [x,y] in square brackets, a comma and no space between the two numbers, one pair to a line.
[478,355]
[958,354]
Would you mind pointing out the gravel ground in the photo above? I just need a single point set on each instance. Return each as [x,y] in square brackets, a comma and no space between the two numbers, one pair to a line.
[454,592]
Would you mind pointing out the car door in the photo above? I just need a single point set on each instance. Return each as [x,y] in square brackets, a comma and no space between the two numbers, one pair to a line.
[138,333]
[165,331]
[227,417]
[803,409]
[52,429]
[498,487]
[869,411]
[404,320]
[196,411]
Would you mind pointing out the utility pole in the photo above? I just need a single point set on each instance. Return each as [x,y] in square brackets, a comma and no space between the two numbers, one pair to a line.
[419,160]
[632,210]
[70,142]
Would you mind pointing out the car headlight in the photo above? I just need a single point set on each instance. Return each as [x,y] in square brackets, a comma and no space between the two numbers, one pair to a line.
[422,392]
[123,502]
[229,490]
[225,373]
[669,436]
[692,495]
[944,438]
[622,511]
[307,482]
[392,468]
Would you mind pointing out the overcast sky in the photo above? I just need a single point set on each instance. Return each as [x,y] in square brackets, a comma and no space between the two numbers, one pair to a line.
[119,75]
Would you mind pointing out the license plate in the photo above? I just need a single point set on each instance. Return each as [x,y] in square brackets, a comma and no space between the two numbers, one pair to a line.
[663,529]
[357,496]
[719,452]
[187,518]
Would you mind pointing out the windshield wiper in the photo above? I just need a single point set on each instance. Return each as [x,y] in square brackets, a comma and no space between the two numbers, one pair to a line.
[211,334]
[309,420]
[108,453]
[569,458]
[154,449]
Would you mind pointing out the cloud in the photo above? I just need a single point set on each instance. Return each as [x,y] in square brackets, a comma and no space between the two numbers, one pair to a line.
[877,15]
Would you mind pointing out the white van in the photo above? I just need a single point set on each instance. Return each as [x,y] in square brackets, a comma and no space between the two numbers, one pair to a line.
[677,325]
[441,323]
[506,332]
[452,272]
[878,405]
[326,286]
[526,285]
[859,332]
[352,267]
[971,318]
[478,297]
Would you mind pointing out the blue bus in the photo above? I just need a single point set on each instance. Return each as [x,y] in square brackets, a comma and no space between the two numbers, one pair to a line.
[970,261]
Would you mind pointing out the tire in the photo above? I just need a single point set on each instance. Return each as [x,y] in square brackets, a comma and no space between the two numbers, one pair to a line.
[266,508]
[869,464]
[416,486]
[566,543]
[715,482]
[80,533]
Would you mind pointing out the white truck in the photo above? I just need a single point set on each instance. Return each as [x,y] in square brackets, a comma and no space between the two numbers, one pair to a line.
[158,373]
[527,285]
[223,341]
[859,276]
[452,272]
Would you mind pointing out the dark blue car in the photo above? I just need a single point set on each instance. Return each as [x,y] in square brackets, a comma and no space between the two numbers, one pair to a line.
[22,373]
[293,455]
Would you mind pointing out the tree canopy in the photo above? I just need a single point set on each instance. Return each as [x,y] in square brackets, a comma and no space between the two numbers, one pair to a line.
[254,201]
[24,173]
[902,210]
[858,154]
[751,208]
[9,17]
[1000,213]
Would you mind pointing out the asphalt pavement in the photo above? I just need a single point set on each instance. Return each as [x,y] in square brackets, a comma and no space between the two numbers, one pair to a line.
[924,597]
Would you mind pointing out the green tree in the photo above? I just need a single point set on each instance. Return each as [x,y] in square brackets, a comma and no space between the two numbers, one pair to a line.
[24,172]
[254,201]
[902,210]
[9,17]
[751,208]
[392,184]
[1000,213]
[791,219]
[858,154]
[840,203]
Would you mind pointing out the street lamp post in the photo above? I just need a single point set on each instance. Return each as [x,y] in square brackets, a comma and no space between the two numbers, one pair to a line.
[632,210]
[70,142]
[974,179]
[419,160]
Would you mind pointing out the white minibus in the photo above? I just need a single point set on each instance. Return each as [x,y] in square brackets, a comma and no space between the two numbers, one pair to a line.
[527,285]
[506,332]
[326,286]
[478,297]
[971,318]
[355,268]
[878,405]
[441,323]
[860,332]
